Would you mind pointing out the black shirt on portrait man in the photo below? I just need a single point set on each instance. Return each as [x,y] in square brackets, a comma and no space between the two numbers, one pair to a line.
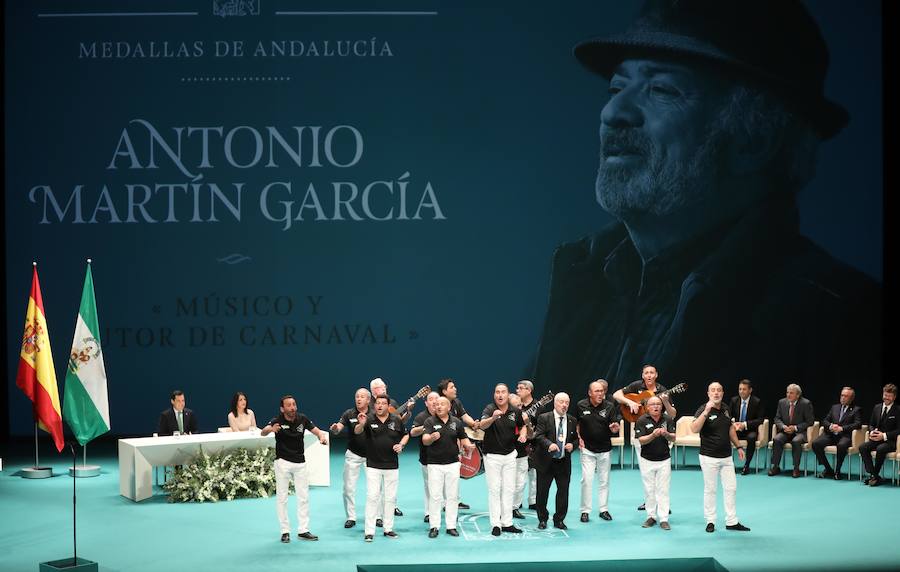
[289,440]
[419,421]
[445,450]
[593,424]
[715,440]
[500,437]
[657,449]
[380,440]
[355,443]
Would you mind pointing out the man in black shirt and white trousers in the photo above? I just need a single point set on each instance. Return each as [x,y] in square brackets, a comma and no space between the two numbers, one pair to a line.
[655,430]
[500,421]
[355,457]
[598,419]
[385,438]
[290,463]
[717,433]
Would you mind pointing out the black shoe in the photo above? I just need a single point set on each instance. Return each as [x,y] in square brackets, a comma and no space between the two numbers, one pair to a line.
[560,525]
[452,532]
[286,537]
[463,506]
[643,506]
[745,470]
[433,533]
[398,512]
[369,538]
[532,507]
[839,476]
[875,481]
[426,518]
[774,471]
[517,514]
[584,517]
[825,475]
[495,531]
[379,523]
[511,528]
[307,536]
[350,524]
[542,524]
[648,523]
[391,534]
[795,473]
[605,515]
[710,527]
[739,527]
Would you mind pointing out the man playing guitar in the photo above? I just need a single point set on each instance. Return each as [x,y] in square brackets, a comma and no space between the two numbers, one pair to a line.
[649,375]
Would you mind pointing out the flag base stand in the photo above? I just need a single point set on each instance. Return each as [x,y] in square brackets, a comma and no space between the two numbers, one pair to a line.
[37,472]
[84,471]
[69,565]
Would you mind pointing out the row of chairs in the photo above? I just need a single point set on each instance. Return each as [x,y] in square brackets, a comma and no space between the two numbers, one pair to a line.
[685,438]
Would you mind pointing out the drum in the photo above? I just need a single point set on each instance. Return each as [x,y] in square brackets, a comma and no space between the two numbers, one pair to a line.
[471,463]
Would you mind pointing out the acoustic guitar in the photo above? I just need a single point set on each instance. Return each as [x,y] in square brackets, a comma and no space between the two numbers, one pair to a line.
[642,398]
[425,390]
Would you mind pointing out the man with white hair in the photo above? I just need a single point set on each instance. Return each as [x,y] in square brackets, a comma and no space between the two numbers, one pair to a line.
[355,457]
[793,417]
[717,434]
[556,436]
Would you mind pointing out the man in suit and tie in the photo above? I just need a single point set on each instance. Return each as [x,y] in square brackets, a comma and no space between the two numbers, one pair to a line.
[555,437]
[839,424]
[793,417]
[748,416]
[882,434]
[178,418]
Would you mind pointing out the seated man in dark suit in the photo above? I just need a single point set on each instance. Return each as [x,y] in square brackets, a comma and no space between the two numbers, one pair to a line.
[794,416]
[178,418]
[555,438]
[839,424]
[748,416]
[883,431]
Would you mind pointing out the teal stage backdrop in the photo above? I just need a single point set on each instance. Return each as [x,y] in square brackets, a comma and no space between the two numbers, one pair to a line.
[297,196]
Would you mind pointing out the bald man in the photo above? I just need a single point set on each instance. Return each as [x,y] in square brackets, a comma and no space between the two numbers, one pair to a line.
[556,436]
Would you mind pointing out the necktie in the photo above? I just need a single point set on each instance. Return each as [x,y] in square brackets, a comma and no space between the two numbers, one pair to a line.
[560,439]
[791,415]
[843,411]
[180,422]
[883,416]
[743,411]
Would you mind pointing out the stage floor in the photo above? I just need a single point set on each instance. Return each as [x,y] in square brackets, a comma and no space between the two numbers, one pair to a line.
[797,524]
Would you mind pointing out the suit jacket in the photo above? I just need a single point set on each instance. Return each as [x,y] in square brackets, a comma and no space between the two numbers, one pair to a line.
[803,414]
[168,424]
[545,435]
[889,423]
[755,412]
[852,419]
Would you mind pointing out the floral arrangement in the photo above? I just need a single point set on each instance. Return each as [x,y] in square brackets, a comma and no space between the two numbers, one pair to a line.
[231,475]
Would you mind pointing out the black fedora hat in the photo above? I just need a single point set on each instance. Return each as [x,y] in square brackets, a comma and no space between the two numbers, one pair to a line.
[773,42]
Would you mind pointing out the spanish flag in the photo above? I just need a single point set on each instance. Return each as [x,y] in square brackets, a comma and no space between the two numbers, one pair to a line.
[36,376]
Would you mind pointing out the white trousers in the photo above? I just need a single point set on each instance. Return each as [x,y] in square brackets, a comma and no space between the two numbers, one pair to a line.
[501,481]
[656,476]
[594,464]
[352,465]
[521,480]
[381,497]
[427,490]
[723,469]
[443,485]
[284,471]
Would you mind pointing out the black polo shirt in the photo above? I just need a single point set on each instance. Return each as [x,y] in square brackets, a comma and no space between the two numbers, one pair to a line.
[446,449]
[289,439]
[593,424]
[500,437]
[715,440]
[380,440]
[657,449]
[356,443]
[419,421]
[456,408]
[639,386]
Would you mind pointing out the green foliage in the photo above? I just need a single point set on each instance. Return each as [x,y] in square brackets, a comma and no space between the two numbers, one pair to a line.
[231,475]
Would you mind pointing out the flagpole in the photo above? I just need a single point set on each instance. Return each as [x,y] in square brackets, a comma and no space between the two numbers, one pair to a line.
[37,471]
[37,463]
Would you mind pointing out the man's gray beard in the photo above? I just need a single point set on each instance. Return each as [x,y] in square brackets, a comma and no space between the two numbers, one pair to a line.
[657,187]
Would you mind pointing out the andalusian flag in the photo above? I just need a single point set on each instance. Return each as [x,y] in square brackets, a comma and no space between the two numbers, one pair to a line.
[86,405]
[36,376]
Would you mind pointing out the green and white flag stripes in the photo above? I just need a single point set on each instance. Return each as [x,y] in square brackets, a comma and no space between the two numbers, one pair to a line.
[85,405]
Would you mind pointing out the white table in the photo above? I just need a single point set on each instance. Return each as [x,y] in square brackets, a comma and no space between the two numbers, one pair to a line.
[138,456]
